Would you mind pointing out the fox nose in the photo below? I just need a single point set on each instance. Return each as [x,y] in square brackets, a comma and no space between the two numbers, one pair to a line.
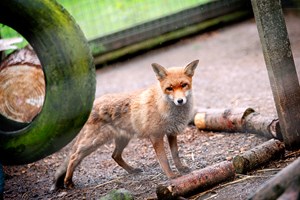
[180,101]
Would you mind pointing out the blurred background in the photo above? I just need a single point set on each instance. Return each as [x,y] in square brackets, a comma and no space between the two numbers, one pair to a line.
[111,25]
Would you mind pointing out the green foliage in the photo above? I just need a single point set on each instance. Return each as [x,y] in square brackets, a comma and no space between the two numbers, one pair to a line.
[7,32]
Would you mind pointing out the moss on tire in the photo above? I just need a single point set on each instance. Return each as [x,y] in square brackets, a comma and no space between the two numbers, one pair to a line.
[69,75]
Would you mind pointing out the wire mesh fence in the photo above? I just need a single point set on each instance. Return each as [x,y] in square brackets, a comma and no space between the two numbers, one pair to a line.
[112,24]
[102,17]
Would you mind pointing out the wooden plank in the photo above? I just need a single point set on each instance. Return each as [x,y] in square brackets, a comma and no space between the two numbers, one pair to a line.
[281,67]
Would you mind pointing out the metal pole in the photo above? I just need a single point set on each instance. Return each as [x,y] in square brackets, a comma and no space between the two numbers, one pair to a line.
[281,67]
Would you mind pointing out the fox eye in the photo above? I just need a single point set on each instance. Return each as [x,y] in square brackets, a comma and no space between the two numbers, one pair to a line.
[169,89]
[184,85]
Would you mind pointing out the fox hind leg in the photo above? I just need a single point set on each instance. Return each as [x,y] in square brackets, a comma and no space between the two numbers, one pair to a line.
[60,175]
[120,144]
[90,140]
[75,159]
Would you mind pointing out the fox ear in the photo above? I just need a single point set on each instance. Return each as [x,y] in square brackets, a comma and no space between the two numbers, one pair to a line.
[159,70]
[190,68]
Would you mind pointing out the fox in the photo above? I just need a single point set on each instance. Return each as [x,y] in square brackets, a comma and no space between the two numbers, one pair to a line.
[162,109]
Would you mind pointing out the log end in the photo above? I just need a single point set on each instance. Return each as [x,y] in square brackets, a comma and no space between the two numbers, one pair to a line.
[240,164]
[199,121]
[164,192]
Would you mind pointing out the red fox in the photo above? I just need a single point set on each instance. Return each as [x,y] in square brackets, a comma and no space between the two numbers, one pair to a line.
[163,109]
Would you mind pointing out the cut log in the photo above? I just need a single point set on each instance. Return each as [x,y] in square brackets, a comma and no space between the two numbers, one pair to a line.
[237,120]
[22,85]
[272,149]
[276,186]
[262,125]
[230,120]
[196,181]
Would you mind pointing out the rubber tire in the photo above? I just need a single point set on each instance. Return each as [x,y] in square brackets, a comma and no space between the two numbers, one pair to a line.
[69,74]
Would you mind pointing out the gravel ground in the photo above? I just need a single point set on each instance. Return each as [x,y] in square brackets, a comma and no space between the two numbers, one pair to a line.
[231,74]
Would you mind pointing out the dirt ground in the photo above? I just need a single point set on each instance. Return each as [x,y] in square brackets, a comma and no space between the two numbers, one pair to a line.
[231,74]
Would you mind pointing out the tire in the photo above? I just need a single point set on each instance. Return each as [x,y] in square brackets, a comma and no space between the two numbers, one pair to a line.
[69,75]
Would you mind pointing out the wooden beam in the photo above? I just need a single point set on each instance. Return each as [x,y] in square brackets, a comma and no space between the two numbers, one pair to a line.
[281,67]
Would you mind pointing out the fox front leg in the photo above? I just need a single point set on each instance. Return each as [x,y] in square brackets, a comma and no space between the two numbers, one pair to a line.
[172,139]
[158,145]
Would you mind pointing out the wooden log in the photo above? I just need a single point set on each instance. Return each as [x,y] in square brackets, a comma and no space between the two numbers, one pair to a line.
[196,181]
[238,120]
[279,183]
[230,120]
[272,149]
[22,85]
[262,125]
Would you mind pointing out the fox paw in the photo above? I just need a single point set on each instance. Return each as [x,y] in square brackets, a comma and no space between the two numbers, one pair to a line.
[69,184]
[54,187]
[58,183]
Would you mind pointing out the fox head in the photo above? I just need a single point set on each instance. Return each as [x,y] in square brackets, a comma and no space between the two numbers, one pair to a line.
[176,82]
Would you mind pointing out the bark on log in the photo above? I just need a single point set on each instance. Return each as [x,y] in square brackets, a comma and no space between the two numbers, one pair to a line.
[22,85]
[196,180]
[259,155]
[262,125]
[230,120]
[281,182]
[237,120]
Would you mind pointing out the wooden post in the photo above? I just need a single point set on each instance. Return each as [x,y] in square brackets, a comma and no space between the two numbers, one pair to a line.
[281,67]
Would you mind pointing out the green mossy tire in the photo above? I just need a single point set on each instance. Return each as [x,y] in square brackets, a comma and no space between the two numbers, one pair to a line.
[69,75]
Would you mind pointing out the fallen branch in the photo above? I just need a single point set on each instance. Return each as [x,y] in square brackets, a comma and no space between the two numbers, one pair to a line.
[196,180]
[282,184]
[259,155]
[237,120]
